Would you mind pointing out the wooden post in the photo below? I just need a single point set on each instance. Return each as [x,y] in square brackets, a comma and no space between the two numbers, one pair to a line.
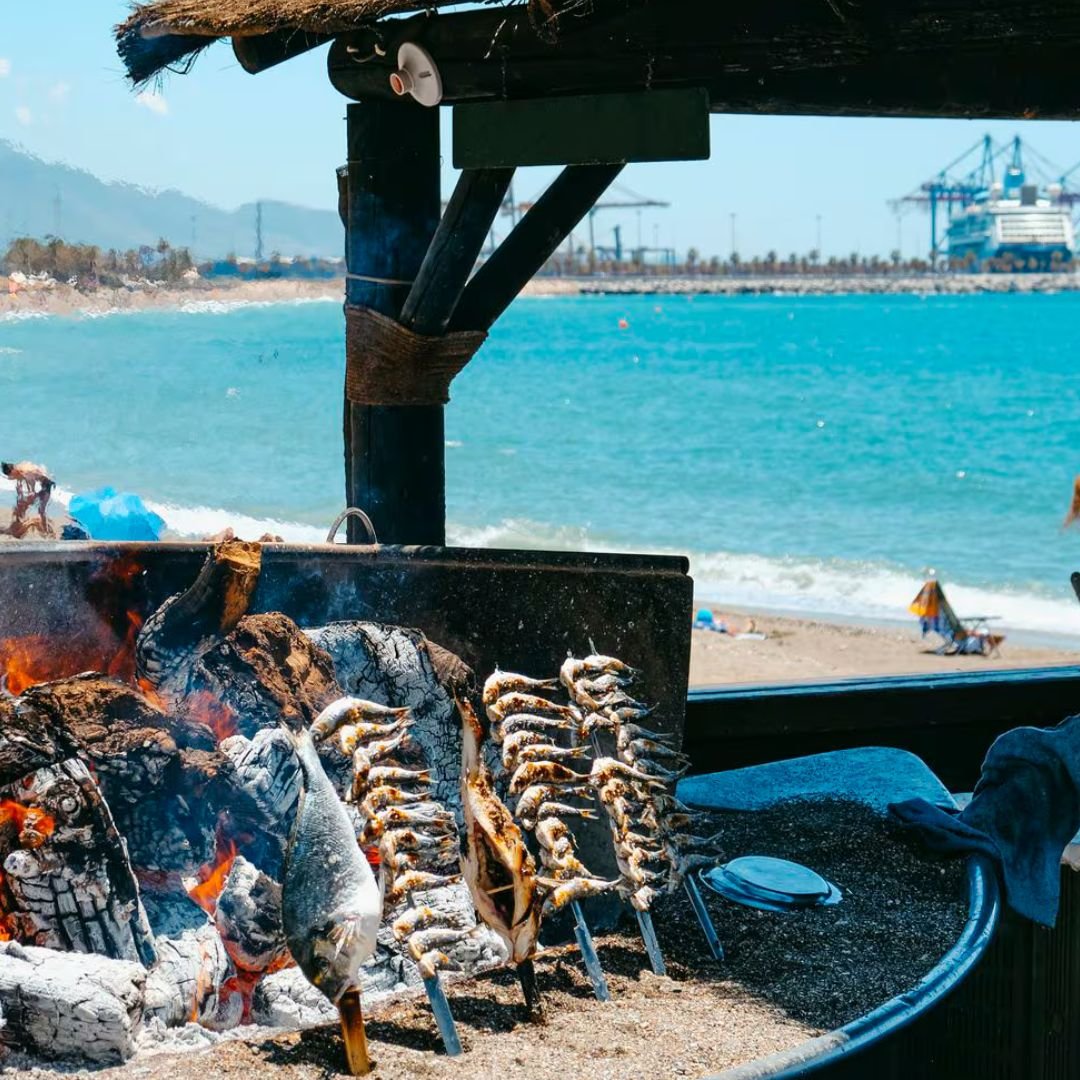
[394,454]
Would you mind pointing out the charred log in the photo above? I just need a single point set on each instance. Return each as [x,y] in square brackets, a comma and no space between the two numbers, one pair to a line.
[161,774]
[248,918]
[73,889]
[30,741]
[265,672]
[62,1006]
[394,666]
[191,623]
[187,982]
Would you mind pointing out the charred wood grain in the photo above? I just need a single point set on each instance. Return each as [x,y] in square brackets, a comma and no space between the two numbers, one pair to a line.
[76,890]
[83,1008]
[265,672]
[192,622]
[30,740]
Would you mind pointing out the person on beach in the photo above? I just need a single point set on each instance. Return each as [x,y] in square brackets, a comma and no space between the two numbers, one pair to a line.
[33,486]
[1074,511]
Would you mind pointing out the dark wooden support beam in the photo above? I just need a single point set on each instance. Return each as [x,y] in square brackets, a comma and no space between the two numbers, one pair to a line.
[533,241]
[1004,58]
[394,455]
[261,52]
[457,244]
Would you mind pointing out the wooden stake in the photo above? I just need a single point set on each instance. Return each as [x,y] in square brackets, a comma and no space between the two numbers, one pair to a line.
[352,1031]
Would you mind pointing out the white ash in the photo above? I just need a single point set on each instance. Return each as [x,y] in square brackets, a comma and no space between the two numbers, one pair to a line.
[287,1000]
[267,770]
[68,1005]
[187,980]
[248,918]
[389,665]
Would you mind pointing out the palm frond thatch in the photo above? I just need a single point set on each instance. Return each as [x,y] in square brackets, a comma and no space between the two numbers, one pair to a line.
[161,33]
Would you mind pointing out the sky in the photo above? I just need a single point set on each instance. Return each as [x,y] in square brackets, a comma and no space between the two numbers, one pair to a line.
[228,137]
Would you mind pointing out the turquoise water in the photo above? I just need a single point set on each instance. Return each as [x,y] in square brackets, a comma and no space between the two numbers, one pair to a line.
[818,453]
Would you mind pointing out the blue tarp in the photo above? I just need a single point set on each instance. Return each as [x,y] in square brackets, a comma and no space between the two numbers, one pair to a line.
[108,514]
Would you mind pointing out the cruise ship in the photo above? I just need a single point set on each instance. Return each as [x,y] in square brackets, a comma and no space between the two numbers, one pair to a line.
[1013,218]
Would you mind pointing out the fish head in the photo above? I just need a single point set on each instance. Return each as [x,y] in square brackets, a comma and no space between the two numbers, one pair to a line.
[337,950]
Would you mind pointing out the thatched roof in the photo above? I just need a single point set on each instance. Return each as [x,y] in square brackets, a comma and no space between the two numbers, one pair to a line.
[161,33]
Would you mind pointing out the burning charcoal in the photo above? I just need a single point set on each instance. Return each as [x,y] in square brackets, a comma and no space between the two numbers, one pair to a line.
[62,1006]
[70,885]
[30,741]
[265,768]
[267,671]
[160,774]
[186,983]
[401,668]
[248,918]
[191,623]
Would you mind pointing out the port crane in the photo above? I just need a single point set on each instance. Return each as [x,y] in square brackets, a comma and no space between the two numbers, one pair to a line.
[952,189]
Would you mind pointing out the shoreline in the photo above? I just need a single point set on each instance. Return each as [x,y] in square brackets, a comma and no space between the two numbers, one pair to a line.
[55,299]
[816,648]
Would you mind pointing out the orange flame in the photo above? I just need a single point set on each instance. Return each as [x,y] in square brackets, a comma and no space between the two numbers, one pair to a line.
[204,708]
[29,661]
[212,878]
[34,826]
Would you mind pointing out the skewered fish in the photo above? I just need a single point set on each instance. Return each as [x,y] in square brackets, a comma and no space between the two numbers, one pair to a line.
[355,712]
[501,683]
[532,798]
[543,772]
[527,703]
[331,905]
[517,722]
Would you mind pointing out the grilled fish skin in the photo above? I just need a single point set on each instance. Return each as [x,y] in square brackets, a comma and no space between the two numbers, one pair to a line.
[331,905]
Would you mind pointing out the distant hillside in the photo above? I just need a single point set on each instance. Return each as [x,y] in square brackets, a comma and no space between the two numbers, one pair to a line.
[37,197]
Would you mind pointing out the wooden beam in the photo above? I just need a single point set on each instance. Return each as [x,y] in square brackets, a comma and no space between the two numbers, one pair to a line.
[260,52]
[394,455]
[1007,58]
[533,241]
[457,244]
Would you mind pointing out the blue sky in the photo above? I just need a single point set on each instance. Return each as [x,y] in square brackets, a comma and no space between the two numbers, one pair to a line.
[227,137]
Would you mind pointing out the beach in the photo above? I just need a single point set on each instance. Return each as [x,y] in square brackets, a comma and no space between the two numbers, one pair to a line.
[808,649]
[56,298]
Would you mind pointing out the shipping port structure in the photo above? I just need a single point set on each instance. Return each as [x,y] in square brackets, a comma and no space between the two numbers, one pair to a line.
[1012,211]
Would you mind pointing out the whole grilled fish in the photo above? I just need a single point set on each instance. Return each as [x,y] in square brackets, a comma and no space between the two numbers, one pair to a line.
[331,905]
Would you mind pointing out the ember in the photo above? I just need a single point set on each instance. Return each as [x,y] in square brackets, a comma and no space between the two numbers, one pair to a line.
[33,824]
[204,708]
[212,878]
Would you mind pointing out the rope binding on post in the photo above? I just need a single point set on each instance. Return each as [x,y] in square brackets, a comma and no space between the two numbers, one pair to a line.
[388,364]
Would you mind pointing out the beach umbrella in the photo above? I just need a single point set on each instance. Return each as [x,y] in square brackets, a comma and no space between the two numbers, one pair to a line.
[108,514]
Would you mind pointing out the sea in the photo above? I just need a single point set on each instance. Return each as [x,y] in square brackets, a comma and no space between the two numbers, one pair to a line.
[819,454]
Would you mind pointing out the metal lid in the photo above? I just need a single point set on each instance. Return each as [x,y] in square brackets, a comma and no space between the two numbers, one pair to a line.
[771,884]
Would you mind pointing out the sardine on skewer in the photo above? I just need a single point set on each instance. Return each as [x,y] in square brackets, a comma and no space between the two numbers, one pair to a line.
[532,797]
[531,704]
[358,713]
[501,683]
[543,772]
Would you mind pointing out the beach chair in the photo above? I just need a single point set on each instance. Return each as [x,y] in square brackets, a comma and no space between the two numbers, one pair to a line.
[969,636]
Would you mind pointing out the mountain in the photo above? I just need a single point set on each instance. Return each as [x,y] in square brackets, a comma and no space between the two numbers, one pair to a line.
[38,198]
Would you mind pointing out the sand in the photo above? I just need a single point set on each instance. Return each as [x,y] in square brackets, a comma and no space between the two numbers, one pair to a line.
[59,299]
[786,978]
[804,649]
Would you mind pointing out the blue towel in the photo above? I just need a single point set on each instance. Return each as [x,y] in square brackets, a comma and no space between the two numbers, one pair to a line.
[1024,813]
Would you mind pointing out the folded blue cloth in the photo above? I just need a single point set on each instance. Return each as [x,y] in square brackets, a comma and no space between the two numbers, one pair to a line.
[1024,812]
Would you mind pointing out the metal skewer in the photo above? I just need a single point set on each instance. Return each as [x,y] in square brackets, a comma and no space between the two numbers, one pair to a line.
[588,954]
[440,1007]
[644,918]
[697,902]
[652,946]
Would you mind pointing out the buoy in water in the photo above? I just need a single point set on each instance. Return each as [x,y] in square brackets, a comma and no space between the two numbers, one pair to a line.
[624,324]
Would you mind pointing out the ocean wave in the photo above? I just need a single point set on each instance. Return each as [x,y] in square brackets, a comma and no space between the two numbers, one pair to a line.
[226,307]
[23,316]
[6,351]
[840,588]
